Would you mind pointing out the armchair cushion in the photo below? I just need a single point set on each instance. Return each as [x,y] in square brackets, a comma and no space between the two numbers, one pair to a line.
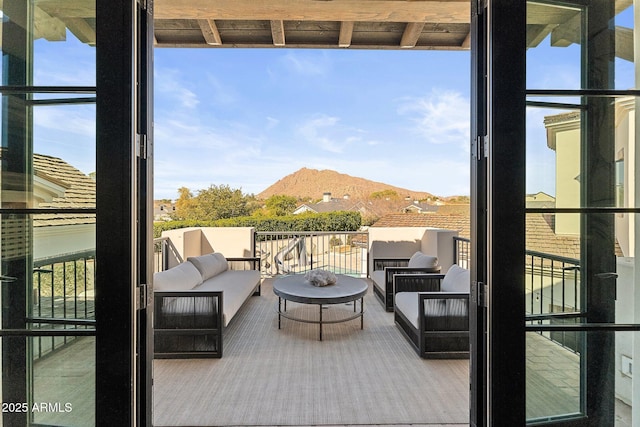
[420,260]
[440,314]
[457,279]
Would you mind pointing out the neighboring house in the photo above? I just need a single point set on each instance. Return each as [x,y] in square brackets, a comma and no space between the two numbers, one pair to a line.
[563,137]
[540,200]
[162,211]
[329,204]
[420,207]
[540,230]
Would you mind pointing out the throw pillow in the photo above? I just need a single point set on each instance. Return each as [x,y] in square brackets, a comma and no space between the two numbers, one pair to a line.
[457,279]
[420,260]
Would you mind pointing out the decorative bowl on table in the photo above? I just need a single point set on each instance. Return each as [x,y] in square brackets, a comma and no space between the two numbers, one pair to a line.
[320,277]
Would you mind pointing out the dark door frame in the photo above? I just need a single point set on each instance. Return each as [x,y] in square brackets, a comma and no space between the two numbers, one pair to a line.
[123,356]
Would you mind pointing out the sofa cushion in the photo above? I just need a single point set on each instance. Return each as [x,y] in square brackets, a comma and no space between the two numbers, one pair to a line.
[237,286]
[182,277]
[209,265]
[420,260]
[457,279]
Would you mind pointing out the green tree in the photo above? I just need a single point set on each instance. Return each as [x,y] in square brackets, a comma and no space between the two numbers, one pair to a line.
[280,205]
[184,204]
[218,202]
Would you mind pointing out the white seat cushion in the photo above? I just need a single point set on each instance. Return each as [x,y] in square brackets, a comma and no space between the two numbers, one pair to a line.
[407,304]
[378,279]
[236,285]
[182,277]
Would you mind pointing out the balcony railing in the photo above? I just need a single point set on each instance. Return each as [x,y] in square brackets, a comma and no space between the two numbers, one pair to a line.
[552,290]
[63,297]
[163,251]
[553,295]
[462,251]
[297,252]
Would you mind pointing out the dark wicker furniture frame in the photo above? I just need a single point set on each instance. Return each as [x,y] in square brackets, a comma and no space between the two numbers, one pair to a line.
[434,338]
[391,267]
[196,334]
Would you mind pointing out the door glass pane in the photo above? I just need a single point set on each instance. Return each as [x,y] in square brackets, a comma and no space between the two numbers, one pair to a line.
[47,161]
[64,383]
[553,157]
[554,37]
[556,154]
[552,275]
[624,62]
[552,374]
[554,363]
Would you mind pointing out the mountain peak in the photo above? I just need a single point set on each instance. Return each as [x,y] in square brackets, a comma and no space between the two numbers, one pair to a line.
[313,183]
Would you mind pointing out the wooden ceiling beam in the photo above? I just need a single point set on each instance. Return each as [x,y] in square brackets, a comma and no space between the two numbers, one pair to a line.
[365,46]
[444,11]
[82,30]
[466,44]
[346,33]
[411,34]
[210,32]
[277,32]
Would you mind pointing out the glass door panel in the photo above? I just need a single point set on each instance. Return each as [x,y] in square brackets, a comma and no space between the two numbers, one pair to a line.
[48,213]
[582,212]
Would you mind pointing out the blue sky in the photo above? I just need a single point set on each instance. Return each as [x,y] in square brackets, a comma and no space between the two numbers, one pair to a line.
[247,118]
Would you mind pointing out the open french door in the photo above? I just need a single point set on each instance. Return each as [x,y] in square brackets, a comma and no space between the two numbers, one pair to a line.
[562,212]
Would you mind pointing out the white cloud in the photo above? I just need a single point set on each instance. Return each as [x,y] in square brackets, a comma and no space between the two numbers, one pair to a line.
[307,63]
[167,83]
[317,131]
[272,122]
[442,117]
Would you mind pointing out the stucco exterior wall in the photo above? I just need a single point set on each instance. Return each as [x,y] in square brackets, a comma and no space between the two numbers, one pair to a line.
[567,180]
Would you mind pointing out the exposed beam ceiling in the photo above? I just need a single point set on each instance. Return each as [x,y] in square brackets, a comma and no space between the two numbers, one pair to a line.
[352,24]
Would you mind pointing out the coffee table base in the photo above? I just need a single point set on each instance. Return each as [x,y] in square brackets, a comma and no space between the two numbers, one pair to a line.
[321,322]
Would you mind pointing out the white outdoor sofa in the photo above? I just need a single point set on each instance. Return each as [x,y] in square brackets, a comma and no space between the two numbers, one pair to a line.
[195,300]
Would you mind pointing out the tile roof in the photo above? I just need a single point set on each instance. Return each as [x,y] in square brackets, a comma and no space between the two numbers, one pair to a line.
[457,222]
[540,235]
[79,192]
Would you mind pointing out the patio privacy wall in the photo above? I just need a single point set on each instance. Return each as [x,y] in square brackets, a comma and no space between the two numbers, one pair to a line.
[402,242]
[195,241]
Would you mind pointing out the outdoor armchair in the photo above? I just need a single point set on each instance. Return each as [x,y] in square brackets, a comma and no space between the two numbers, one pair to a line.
[433,312]
[384,269]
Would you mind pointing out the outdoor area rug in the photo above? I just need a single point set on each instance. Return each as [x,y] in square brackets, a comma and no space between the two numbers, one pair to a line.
[287,377]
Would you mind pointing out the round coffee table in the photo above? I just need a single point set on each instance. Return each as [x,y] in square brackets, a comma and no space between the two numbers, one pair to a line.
[296,288]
